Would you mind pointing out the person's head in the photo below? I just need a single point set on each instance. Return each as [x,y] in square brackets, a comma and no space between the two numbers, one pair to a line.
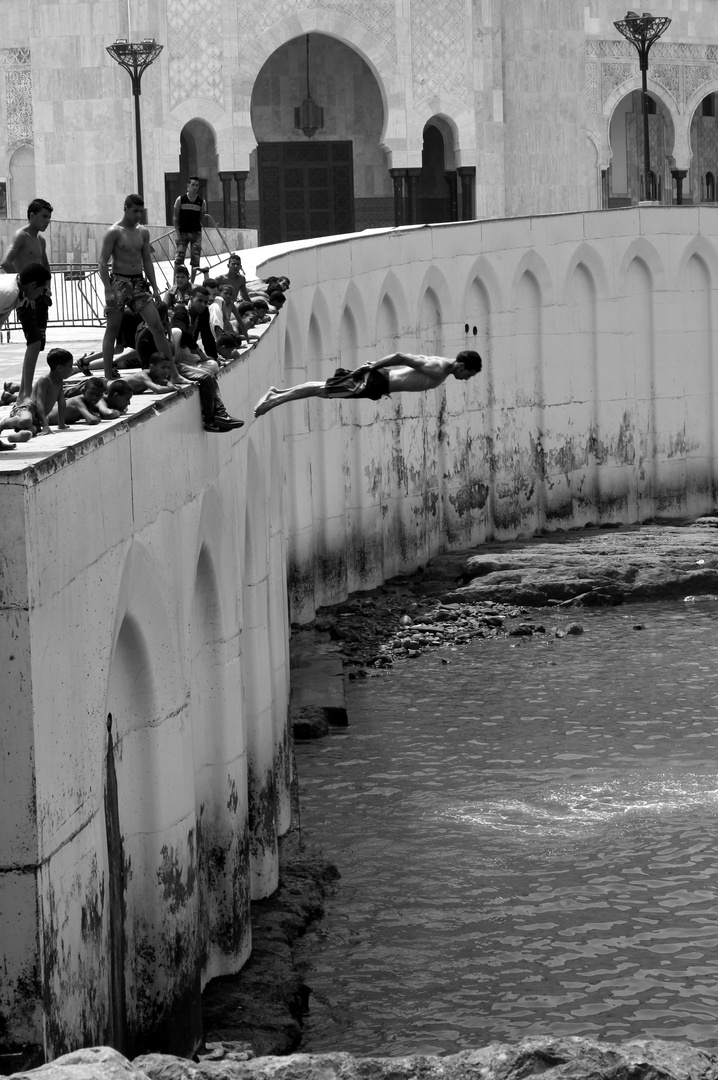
[181,277]
[200,298]
[33,278]
[226,346]
[276,299]
[193,187]
[469,364]
[234,265]
[134,208]
[225,291]
[283,283]
[60,361]
[250,318]
[261,311]
[245,307]
[159,368]
[93,389]
[39,213]
[213,286]
[118,395]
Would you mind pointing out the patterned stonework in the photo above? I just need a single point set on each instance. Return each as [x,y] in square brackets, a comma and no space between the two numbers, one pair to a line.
[592,96]
[377,17]
[668,76]
[438,36]
[695,76]
[18,101]
[612,75]
[194,33]
[19,57]
[662,50]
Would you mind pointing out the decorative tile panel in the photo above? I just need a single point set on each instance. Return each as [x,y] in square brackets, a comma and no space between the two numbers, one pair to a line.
[695,76]
[612,75]
[18,57]
[377,17]
[662,50]
[667,76]
[18,100]
[194,45]
[592,96]
[438,36]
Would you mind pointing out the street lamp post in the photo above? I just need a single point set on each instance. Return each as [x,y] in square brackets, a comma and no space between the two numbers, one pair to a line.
[642,31]
[135,57]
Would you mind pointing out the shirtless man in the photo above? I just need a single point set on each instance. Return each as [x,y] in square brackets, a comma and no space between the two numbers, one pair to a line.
[32,414]
[391,375]
[127,285]
[28,246]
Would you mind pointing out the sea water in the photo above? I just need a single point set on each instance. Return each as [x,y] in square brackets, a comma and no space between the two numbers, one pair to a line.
[528,840]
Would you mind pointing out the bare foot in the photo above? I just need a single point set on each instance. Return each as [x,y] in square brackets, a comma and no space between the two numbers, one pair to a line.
[19,436]
[6,445]
[266,402]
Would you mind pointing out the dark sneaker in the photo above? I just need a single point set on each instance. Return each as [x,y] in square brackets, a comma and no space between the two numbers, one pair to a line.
[226,423]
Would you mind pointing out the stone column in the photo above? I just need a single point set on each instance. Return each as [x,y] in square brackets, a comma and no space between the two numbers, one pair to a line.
[397,176]
[226,178]
[240,180]
[604,189]
[468,179]
[412,184]
[453,185]
[679,176]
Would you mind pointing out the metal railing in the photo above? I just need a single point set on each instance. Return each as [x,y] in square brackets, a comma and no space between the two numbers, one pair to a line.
[78,295]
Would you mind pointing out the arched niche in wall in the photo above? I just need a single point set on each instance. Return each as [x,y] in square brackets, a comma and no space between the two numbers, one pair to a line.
[703,176]
[335,181]
[437,184]
[21,177]
[198,157]
[626,174]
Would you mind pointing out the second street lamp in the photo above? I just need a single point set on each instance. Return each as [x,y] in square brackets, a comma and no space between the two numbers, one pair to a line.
[135,57]
[642,31]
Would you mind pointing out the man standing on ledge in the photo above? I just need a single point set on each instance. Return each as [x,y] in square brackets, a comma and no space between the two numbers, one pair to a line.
[28,247]
[187,217]
[126,244]
[392,374]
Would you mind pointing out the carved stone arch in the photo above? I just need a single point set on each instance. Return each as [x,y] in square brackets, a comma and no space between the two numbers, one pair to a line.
[217,119]
[532,263]
[482,271]
[322,336]
[393,291]
[586,256]
[702,248]
[353,327]
[435,281]
[690,110]
[351,33]
[641,249]
[455,122]
[676,133]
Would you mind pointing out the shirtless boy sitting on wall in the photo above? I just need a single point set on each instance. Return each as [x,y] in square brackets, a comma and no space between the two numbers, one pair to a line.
[393,374]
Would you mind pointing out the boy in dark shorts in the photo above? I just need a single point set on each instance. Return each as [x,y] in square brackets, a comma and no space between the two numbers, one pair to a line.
[391,375]
[28,247]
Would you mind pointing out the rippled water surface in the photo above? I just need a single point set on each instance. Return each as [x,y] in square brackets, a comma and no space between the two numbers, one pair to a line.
[528,841]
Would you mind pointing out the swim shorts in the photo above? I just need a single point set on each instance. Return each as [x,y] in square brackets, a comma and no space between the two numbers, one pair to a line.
[33,319]
[193,240]
[362,383]
[30,406]
[131,292]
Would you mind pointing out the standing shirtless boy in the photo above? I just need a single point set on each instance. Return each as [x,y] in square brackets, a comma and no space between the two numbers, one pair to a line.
[130,283]
[28,246]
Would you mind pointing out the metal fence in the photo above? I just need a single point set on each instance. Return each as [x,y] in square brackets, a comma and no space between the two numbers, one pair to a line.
[78,295]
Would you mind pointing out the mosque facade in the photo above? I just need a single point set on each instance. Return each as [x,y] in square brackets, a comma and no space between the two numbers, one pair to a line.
[424,112]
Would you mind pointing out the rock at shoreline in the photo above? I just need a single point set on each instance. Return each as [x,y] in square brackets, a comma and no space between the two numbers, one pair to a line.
[560,1058]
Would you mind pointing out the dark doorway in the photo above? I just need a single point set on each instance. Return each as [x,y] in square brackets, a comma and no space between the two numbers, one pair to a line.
[433,190]
[305,189]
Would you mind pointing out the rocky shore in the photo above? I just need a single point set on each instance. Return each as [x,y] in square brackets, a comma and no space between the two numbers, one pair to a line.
[493,591]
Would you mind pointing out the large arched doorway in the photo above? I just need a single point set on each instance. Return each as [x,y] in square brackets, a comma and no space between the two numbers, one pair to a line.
[626,173]
[703,183]
[198,157]
[335,181]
